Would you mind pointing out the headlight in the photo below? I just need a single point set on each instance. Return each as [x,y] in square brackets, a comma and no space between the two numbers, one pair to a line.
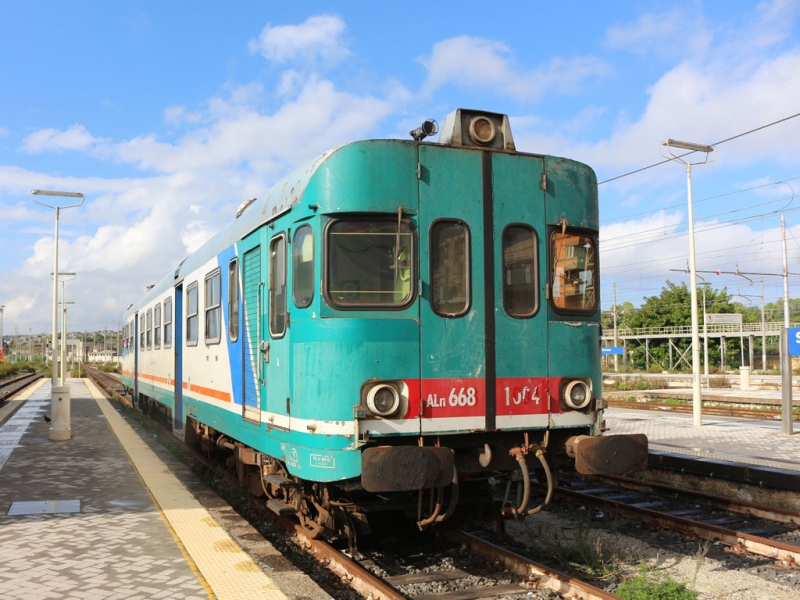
[383,400]
[577,395]
[481,130]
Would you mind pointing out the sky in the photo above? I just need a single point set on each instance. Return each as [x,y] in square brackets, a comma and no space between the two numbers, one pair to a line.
[166,115]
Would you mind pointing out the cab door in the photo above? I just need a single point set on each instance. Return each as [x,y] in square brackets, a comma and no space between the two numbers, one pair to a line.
[276,362]
[253,347]
[521,317]
[455,358]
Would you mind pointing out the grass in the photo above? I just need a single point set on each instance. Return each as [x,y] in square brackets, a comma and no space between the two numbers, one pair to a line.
[631,383]
[719,382]
[648,585]
[585,553]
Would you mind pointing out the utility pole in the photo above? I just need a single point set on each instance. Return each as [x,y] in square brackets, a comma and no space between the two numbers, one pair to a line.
[786,317]
[616,339]
[763,331]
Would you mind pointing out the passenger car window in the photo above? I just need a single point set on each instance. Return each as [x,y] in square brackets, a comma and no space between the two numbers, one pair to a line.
[168,323]
[573,272]
[191,315]
[303,266]
[369,264]
[277,286]
[149,328]
[233,300]
[157,326]
[213,307]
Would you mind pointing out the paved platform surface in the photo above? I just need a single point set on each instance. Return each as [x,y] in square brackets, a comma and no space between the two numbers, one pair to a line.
[102,516]
[746,441]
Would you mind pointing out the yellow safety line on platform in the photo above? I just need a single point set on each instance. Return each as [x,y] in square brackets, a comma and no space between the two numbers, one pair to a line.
[28,392]
[96,393]
[12,404]
[227,568]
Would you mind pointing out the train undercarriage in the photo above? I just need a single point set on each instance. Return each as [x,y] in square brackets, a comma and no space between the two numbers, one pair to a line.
[488,481]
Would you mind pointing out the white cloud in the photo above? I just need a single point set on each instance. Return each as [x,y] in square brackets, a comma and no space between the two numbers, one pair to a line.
[640,254]
[133,231]
[678,32]
[317,40]
[318,117]
[196,234]
[478,63]
[75,138]
[175,115]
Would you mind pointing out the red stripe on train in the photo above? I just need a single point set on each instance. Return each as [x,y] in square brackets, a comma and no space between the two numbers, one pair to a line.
[466,397]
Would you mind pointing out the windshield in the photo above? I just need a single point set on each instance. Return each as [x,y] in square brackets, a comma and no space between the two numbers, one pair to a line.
[369,264]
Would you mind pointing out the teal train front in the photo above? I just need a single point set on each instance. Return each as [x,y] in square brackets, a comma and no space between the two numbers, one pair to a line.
[390,326]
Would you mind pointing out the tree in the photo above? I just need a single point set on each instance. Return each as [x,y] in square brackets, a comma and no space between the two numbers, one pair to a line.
[673,308]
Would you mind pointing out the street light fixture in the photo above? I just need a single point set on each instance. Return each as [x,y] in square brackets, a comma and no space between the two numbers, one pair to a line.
[670,145]
[59,394]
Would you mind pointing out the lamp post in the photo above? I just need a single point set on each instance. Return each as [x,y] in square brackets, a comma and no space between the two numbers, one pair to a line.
[59,394]
[671,144]
[705,339]
[64,304]
[2,347]
[61,277]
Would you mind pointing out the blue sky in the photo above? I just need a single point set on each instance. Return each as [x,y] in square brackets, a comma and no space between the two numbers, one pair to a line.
[166,115]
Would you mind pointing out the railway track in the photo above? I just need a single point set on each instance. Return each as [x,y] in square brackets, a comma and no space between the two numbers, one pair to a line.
[744,527]
[514,576]
[9,387]
[720,411]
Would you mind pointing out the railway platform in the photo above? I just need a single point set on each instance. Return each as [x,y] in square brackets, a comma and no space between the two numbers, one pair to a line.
[750,442]
[105,515]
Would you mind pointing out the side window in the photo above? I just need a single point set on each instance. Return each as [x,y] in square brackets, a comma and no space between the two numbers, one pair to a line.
[141,332]
[277,286]
[303,266]
[191,315]
[233,300]
[149,328]
[168,323]
[573,272]
[520,277]
[450,268]
[213,307]
[157,326]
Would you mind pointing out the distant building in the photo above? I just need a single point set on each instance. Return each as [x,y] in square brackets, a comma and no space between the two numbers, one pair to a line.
[102,356]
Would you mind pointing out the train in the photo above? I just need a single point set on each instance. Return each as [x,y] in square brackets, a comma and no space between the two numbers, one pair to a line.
[392,325]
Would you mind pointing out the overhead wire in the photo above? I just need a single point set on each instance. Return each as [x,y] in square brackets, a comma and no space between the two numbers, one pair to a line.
[642,232]
[701,200]
[717,226]
[692,152]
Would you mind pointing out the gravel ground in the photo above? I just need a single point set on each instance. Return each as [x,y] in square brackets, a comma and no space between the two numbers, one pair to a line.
[706,568]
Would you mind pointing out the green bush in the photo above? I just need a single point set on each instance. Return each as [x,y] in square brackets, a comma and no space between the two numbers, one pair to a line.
[646,586]
[110,367]
[8,370]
